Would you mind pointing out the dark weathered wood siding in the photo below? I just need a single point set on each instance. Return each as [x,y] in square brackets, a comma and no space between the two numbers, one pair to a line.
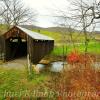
[39,49]
[2,48]
[36,48]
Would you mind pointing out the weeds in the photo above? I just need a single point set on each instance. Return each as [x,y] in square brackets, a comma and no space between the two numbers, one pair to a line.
[79,83]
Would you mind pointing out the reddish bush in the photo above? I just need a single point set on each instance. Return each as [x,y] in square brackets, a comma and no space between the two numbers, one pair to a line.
[76,57]
[73,57]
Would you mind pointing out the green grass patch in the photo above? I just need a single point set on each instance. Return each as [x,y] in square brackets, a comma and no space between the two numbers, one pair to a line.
[93,47]
[56,36]
[17,80]
[61,37]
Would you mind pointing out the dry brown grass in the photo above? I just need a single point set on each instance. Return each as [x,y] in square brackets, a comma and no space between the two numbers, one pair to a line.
[81,79]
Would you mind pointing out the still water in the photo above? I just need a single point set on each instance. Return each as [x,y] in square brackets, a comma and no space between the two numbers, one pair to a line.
[59,65]
[53,66]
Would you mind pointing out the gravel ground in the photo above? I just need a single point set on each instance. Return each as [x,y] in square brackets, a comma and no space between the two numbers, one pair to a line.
[15,64]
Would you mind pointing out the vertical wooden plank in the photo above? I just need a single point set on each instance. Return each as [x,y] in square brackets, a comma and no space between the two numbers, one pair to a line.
[29,54]
[2,45]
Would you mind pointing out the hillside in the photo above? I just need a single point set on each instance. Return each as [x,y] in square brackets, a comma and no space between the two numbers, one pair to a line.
[59,29]
[54,29]
[31,27]
[61,33]
[58,33]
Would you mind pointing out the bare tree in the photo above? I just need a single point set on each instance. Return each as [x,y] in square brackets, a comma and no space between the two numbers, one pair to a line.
[84,15]
[14,13]
[87,15]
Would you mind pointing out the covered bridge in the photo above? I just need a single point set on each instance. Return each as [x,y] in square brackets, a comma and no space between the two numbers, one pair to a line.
[18,42]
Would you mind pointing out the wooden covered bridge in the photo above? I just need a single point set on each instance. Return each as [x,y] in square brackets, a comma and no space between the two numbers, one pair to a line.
[18,42]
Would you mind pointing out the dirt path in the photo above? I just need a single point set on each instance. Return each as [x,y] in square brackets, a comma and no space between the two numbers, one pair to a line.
[15,64]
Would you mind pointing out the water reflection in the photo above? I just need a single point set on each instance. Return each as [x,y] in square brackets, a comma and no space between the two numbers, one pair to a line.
[54,66]
[59,65]
[40,66]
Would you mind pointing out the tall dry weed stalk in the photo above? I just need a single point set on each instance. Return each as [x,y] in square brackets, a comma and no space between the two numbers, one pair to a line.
[82,82]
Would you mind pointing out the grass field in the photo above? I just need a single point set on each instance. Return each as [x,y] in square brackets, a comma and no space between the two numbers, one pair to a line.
[59,36]
[93,47]
[15,80]
[12,80]
[59,49]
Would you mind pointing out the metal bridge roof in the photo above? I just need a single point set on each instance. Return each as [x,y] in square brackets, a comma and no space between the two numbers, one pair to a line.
[35,35]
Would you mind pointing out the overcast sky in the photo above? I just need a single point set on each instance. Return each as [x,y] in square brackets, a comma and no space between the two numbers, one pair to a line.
[45,10]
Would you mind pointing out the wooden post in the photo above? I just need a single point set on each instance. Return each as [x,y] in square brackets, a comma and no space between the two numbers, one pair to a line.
[29,64]
[4,49]
[29,56]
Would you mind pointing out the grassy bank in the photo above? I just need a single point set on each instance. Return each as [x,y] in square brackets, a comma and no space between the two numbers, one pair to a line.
[93,47]
[12,80]
[60,40]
